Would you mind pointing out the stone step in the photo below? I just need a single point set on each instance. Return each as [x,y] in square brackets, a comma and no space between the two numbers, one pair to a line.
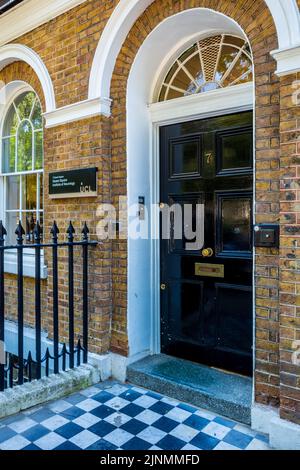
[224,393]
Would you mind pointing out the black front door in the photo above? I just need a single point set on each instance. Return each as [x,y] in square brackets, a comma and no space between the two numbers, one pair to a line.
[206,293]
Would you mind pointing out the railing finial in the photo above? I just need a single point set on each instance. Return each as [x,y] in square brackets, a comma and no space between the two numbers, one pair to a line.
[37,231]
[85,232]
[20,232]
[54,231]
[3,231]
[70,231]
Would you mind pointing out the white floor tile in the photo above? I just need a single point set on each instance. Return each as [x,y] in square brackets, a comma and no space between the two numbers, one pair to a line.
[206,414]
[190,447]
[118,419]
[15,443]
[118,437]
[117,403]
[183,432]
[59,406]
[225,446]
[216,430]
[116,389]
[148,417]
[140,390]
[179,415]
[55,422]
[88,405]
[145,401]
[170,401]
[152,435]
[22,425]
[89,392]
[84,439]
[257,445]
[50,441]
[245,430]
[87,420]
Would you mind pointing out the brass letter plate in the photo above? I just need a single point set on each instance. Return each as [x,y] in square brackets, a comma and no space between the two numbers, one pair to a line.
[209,270]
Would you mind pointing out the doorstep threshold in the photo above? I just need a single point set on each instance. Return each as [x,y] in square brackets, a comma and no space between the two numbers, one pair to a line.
[218,391]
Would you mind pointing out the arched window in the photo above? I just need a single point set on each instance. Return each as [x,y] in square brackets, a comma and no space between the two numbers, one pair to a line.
[22,164]
[215,62]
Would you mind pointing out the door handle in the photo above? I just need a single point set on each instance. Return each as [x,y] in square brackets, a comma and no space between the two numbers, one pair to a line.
[207,252]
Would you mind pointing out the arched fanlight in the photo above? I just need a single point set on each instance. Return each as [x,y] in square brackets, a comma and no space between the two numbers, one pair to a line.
[211,63]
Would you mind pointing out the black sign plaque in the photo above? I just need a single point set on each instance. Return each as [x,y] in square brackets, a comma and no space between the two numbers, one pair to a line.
[73,183]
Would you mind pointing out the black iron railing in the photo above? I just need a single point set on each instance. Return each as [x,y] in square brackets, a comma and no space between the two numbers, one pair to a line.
[63,355]
[8,4]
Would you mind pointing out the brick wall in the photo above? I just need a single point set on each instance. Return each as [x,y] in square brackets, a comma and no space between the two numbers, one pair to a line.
[290,246]
[67,45]
[81,144]
[78,145]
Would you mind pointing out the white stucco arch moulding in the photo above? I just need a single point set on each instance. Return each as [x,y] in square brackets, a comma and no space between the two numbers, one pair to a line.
[285,14]
[17,52]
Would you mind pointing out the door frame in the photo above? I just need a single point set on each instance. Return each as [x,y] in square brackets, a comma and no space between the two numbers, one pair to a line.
[215,103]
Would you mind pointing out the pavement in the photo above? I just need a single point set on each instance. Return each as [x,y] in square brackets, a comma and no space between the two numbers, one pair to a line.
[116,416]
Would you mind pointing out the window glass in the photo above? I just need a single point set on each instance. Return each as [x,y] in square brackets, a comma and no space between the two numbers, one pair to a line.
[24,144]
[24,104]
[38,150]
[212,63]
[22,165]
[9,154]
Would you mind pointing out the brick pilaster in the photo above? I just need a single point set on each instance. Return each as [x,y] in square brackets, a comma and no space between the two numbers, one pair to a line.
[289,247]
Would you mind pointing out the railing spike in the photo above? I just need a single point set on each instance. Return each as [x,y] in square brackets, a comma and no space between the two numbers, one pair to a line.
[54,230]
[29,366]
[78,352]
[71,230]
[47,357]
[85,232]
[27,230]
[3,231]
[37,231]
[20,231]
[64,356]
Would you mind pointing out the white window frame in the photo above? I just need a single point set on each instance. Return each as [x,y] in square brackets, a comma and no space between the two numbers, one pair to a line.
[9,94]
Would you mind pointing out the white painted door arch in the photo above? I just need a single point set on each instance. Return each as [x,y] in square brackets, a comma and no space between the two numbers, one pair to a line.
[143,122]
[285,14]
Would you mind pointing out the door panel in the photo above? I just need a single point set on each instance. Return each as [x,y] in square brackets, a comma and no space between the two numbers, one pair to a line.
[233,224]
[234,152]
[234,318]
[185,158]
[206,305]
[188,202]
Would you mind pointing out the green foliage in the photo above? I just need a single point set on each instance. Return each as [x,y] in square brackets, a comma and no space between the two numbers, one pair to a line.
[23,135]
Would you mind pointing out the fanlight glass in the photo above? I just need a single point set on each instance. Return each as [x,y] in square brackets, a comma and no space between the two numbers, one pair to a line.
[215,62]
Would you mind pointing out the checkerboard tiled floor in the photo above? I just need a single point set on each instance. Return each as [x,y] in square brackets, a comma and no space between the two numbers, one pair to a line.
[113,416]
